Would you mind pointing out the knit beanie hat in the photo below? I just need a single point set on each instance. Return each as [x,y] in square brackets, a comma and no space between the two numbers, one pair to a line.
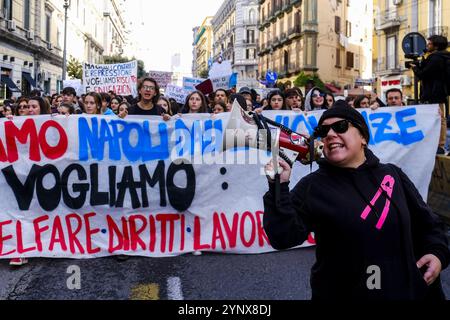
[341,110]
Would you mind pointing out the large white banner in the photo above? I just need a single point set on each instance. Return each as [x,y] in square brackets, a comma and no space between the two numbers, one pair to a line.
[90,186]
[120,78]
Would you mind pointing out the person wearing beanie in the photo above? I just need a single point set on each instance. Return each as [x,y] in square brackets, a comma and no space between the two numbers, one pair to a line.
[376,237]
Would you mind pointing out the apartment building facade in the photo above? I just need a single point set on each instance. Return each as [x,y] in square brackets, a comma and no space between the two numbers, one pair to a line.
[394,19]
[332,38]
[236,33]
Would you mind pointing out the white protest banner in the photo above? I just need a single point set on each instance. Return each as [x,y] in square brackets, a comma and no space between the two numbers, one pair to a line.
[190,83]
[177,93]
[162,78]
[76,84]
[218,70]
[120,78]
[221,82]
[91,186]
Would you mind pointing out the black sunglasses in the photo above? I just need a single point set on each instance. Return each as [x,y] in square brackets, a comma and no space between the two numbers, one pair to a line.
[338,127]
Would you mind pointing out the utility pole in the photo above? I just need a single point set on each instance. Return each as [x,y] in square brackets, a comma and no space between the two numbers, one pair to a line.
[66,7]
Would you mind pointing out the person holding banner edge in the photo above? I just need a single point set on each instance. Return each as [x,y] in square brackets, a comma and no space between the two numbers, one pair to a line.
[376,237]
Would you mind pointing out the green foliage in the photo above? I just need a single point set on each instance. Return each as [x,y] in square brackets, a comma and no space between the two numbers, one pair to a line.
[302,79]
[74,68]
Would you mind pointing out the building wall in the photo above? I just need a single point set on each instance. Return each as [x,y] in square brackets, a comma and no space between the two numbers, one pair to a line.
[301,36]
[203,45]
[396,22]
[236,36]
[38,48]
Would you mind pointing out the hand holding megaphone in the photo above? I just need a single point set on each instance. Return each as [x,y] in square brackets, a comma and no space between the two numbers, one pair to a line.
[284,170]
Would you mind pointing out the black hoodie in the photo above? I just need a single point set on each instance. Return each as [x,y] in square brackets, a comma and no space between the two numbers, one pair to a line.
[432,73]
[330,202]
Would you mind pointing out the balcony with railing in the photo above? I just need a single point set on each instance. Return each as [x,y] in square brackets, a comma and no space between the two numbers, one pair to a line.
[438,30]
[387,65]
[294,32]
[388,19]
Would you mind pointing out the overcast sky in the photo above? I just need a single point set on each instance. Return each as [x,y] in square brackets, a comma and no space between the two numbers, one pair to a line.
[164,28]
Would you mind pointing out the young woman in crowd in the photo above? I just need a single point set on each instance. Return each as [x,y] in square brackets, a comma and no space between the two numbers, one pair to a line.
[329,100]
[195,103]
[166,105]
[123,109]
[92,103]
[220,107]
[115,102]
[38,106]
[22,107]
[315,100]
[361,102]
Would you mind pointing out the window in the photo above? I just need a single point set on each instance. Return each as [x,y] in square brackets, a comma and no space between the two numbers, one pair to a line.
[348,29]
[350,60]
[8,8]
[250,36]
[48,19]
[338,57]
[391,52]
[337,24]
[247,54]
[26,14]
[435,13]
[252,17]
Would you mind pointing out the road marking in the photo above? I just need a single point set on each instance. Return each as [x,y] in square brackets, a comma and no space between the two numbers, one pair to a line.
[174,291]
[145,292]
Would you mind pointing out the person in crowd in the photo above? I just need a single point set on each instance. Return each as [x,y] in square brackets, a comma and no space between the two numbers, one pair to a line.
[123,109]
[293,100]
[329,98]
[35,93]
[195,103]
[22,107]
[249,104]
[6,111]
[394,97]
[361,102]
[56,101]
[246,92]
[106,102]
[315,100]
[92,103]
[166,105]
[70,96]
[350,101]
[38,106]
[115,102]
[220,107]
[276,101]
[148,99]
[66,109]
[239,98]
[435,86]
[386,225]
[176,107]
[264,103]
[220,95]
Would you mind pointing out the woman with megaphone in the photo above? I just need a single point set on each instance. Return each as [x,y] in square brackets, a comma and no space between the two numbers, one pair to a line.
[376,237]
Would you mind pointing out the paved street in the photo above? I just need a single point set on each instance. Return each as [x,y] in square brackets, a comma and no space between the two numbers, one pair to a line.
[277,276]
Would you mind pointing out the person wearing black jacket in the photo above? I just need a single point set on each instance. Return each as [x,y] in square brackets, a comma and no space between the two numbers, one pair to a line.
[365,216]
[432,74]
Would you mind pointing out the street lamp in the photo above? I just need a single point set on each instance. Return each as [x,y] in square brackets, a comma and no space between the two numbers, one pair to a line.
[66,6]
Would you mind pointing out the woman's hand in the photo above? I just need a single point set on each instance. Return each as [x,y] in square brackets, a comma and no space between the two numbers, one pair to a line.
[166,117]
[284,169]
[433,265]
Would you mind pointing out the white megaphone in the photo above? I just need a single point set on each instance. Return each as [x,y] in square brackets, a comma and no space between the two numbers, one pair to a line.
[251,130]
